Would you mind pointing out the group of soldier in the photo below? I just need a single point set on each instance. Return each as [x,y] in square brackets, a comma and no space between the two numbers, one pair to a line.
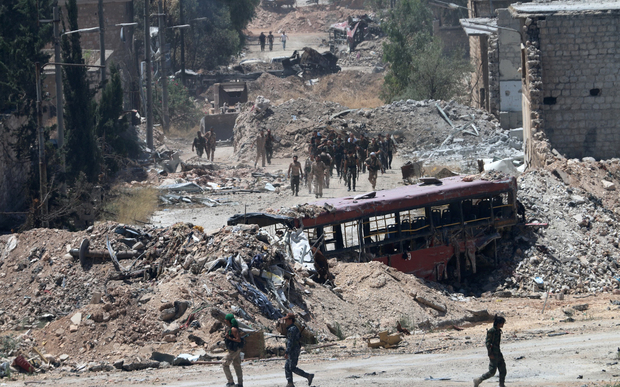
[347,156]
[205,144]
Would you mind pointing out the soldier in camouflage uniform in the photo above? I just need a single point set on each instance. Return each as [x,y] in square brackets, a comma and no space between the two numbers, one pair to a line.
[293,349]
[496,359]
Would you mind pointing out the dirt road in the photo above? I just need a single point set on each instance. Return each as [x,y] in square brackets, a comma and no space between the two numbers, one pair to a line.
[212,218]
[585,356]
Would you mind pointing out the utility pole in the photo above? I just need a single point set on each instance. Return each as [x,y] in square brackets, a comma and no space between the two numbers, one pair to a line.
[162,67]
[182,44]
[42,164]
[60,117]
[149,91]
[101,42]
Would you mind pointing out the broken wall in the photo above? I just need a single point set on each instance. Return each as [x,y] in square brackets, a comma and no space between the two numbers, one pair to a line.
[478,48]
[572,78]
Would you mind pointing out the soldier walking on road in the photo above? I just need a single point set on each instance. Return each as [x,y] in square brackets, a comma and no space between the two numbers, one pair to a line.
[270,40]
[262,39]
[327,160]
[260,148]
[199,143]
[211,142]
[496,359]
[373,165]
[295,173]
[351,164]
[234,345]
[293,349]
[283,39]
[390,146]
[318,171]
[308,173]
[269,146]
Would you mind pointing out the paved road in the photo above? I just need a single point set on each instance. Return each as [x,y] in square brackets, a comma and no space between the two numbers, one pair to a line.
[548,361]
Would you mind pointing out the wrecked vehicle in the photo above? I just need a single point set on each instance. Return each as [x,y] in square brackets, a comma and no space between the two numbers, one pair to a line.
[352,31]
[416,229]
[310,63]
[278,3]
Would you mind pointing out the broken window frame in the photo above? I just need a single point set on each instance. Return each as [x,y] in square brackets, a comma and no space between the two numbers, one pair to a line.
[478,224]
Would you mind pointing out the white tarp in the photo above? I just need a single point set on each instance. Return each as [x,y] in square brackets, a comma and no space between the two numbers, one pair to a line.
[505,166]
[300,247]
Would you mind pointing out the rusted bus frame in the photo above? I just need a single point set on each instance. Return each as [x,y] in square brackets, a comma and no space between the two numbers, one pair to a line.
[409,198]
[505,189]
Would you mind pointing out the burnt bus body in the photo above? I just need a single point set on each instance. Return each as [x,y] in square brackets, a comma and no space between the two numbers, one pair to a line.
[418,229]
[433,231]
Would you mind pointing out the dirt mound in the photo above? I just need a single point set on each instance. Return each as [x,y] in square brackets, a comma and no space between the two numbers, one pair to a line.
[376,297]
[348,88]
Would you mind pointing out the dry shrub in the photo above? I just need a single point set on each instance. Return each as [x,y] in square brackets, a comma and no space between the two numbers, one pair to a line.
[133,205]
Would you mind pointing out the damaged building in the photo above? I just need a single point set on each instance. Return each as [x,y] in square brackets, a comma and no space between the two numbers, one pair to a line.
[571,74]
[495,50]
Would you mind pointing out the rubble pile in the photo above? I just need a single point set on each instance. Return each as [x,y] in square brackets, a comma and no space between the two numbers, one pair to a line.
[577,252]
[82,310]
[420,128]
[368,53]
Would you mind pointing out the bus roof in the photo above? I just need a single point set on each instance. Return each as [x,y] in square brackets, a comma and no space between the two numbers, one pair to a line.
[407,197]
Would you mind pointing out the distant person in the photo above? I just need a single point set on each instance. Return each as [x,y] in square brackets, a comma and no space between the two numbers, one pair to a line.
[318,171]
[390,146]
[234,345]
[496,359]
[283,39]
[351,164]
[295,173]
[308,173]
[270,40]
[211,143]
[374,165]
[262,39]
[199,143]
[293,349]
[260,148]
[269,146]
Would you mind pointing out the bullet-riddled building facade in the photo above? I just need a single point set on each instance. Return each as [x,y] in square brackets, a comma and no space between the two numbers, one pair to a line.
[571,79]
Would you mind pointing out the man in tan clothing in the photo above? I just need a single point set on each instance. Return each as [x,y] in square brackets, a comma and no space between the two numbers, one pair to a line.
[318,170]
[260,148]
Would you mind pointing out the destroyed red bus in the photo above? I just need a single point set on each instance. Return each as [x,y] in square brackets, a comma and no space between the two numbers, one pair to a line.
[418,229]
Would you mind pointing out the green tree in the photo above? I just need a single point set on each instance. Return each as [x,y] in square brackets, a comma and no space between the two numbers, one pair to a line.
[112,127]
[211,40]
[83,155]
[22,39]
[181,106]
[418,68]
